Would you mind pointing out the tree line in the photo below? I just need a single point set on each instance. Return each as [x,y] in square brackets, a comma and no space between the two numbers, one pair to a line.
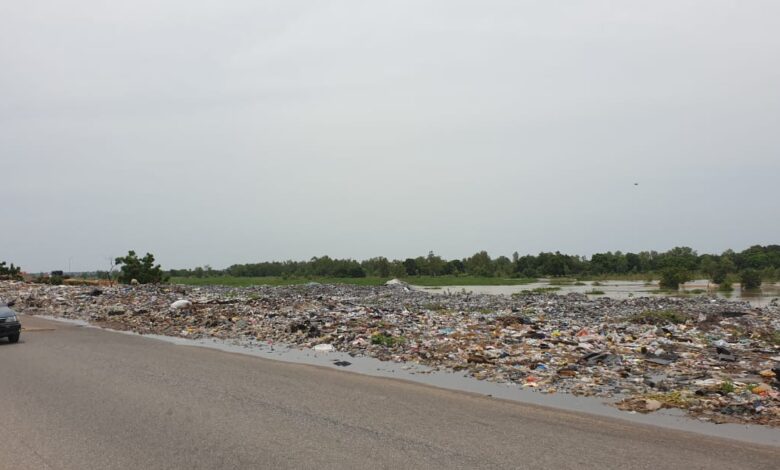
[674,267]
[765,260]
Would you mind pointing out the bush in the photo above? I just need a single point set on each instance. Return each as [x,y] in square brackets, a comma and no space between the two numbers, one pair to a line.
[671,278]
[142,270]
[750,279]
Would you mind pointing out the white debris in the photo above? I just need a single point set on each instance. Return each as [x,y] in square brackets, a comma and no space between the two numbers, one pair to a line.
[181,304]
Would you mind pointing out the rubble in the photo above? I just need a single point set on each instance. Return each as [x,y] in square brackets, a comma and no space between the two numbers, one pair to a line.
[718,360]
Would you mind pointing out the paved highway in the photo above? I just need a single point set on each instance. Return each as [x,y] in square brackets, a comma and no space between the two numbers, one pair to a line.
[83,398]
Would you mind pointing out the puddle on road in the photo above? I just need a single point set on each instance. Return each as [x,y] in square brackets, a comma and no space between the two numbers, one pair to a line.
[672,419]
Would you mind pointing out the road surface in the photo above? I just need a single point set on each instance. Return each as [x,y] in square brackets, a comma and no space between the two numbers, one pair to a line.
[83,398]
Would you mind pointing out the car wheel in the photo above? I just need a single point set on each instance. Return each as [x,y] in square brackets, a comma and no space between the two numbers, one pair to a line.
[13,338]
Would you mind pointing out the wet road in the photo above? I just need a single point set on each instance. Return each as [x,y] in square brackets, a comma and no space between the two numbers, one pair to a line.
[83,398]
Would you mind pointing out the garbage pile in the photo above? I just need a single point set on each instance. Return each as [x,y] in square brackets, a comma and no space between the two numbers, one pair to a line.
[717,359]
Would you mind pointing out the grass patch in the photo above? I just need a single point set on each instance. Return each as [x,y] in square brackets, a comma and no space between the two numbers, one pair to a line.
[580,283]
[435,307]
[538,290]
[386,340]
[659,317]
[595,292]
[542,290]
[674,399]
[771,337]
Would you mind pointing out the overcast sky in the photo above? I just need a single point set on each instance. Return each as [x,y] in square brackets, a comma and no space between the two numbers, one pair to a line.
[220,132]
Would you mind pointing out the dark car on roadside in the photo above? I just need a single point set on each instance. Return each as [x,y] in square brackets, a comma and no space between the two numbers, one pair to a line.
[9,324]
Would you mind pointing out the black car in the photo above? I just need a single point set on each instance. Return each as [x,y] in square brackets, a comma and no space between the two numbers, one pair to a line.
[9,324]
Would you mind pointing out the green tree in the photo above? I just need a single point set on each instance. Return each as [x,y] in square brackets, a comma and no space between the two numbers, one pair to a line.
[503,266]
[455,267]
[436,265]
[142,270]
[708,265]
[722,269]
[671,278]
[479,264]
[750,278]
[681,257]
[410,266]
[379,266]
[9,272]
[633,262]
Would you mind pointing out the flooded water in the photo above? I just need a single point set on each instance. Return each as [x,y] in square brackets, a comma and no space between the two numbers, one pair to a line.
[626,289]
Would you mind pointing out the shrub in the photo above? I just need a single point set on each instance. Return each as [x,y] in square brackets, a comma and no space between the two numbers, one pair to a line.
[54,280]
[659,317]
[750,279]
[142,270]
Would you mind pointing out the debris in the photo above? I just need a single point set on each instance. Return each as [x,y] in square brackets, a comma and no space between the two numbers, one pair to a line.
[115,310]
[652,405]
[181,304]
[761,388]
[602,358]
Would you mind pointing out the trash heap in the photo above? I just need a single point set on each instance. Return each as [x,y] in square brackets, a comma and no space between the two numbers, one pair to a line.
[717,359]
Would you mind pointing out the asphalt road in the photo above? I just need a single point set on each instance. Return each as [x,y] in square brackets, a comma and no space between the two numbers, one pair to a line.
[83,398]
